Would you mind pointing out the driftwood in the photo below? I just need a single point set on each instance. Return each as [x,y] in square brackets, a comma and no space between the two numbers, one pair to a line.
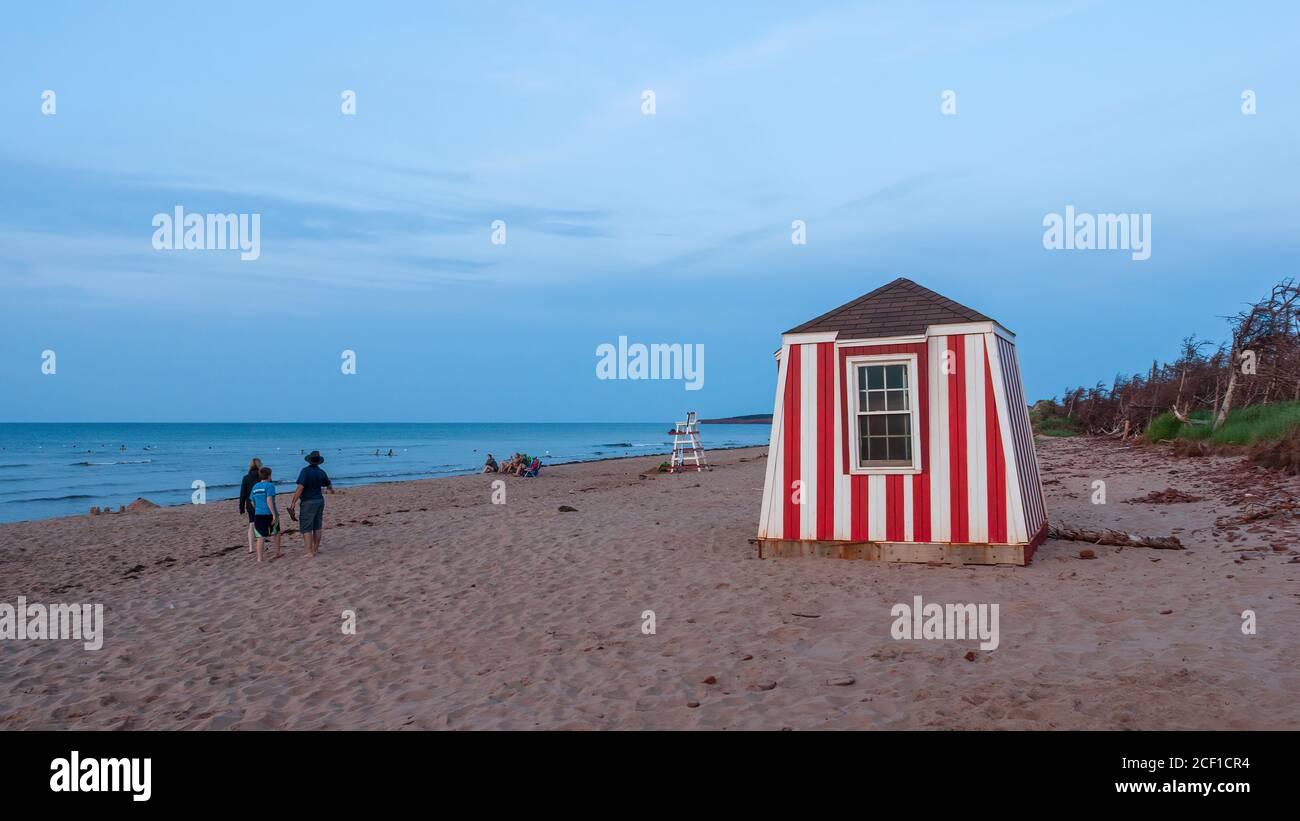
[1114,537]
[1264,512]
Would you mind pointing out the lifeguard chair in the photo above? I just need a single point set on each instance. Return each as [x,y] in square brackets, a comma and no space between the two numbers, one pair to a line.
[688,451]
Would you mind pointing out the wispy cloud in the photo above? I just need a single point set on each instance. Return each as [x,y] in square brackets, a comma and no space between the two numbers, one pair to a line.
[778,231]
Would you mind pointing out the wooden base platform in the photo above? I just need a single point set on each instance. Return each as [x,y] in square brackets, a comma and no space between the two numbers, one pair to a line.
[923,552]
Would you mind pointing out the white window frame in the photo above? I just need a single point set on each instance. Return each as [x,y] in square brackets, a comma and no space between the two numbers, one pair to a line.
[851,365]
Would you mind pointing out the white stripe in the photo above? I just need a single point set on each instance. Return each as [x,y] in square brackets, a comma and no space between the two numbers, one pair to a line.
[940,517]
[843,506]
[977,474]
[808,441]
[876,508]
[769,521]
[1029,468]
[1016,525]
[908,534]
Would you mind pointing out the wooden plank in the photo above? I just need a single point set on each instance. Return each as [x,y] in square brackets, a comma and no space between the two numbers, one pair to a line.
[923,552]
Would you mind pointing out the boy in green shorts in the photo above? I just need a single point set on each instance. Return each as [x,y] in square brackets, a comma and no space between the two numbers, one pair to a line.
[266,515]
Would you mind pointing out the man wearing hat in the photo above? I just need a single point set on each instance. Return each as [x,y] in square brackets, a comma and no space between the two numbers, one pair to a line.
[311,480]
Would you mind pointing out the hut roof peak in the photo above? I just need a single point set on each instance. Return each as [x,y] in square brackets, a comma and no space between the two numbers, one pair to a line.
[898,308]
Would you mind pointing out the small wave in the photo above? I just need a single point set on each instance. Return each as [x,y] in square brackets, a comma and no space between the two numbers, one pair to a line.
[107,464]
[19,465]
[382,477]
[617,445]
[56,498]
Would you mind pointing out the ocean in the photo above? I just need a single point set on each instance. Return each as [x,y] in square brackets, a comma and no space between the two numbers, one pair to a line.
[64,469]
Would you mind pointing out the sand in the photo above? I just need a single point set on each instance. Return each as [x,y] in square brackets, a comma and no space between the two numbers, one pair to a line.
[471,615]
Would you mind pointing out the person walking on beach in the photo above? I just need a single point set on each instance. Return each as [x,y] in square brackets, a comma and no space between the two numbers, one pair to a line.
[266,521]
[245,506]
[311,480]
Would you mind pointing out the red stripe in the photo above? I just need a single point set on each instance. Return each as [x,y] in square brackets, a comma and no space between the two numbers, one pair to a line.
[859,514]
[921,481]
[958,500]
[790,421]
[850,428]
[858,523]
[997,465]
[843,398]
[825,440]
[894,504]
[921,507]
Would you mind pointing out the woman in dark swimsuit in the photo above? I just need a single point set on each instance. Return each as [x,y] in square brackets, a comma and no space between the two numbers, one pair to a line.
[245,505]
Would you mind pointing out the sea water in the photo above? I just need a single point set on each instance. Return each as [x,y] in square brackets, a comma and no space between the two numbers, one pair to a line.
[65,469]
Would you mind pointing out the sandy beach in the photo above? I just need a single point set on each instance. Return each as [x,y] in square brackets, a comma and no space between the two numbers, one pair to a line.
[472,615]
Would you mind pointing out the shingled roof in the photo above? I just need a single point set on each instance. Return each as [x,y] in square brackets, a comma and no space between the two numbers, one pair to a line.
[901,308]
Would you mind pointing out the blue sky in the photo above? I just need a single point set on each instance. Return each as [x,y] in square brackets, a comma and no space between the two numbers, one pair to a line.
[376,227]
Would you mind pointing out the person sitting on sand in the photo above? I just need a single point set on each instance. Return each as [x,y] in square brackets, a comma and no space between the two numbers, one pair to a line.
[310,482]
[266,521]
[490,466]
[245,506]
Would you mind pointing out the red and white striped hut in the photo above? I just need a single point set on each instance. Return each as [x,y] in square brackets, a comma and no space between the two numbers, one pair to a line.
[900,432]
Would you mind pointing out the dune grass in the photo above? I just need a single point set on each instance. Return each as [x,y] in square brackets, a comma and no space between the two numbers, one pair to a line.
[1056,426]
[1244,426]
[1045,424]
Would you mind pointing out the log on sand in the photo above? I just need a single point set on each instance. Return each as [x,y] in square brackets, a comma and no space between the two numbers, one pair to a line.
[1114,537]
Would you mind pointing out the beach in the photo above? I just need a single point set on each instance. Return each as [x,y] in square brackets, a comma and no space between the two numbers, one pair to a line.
[475,615]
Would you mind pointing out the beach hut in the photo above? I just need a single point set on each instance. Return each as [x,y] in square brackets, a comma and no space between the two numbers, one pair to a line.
[900,433]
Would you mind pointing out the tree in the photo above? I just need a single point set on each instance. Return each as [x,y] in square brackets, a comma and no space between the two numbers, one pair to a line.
[1271,325]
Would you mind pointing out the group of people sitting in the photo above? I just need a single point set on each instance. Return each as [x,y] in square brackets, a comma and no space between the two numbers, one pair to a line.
[518,465]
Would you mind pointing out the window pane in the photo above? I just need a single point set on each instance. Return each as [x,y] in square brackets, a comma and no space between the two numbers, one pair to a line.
[875,376]
[896,376]
[900,449]
[900,424]
[884,406]
[880,448]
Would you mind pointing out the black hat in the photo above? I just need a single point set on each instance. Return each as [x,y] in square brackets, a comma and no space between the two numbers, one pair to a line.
[315,458]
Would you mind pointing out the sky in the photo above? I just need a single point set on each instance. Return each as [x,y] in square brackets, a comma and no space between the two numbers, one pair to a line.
[376,228]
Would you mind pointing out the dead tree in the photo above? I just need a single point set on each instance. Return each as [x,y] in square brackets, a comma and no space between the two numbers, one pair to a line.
[1271,324]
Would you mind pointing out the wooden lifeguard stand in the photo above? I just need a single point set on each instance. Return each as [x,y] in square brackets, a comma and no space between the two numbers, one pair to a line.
[688,451]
